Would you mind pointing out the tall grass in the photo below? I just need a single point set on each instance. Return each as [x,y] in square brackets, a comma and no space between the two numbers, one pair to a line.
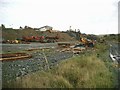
[77,72]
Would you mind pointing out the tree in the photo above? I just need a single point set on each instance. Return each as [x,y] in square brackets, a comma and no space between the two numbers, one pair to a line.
[3,26]
[20,28]
[25,27]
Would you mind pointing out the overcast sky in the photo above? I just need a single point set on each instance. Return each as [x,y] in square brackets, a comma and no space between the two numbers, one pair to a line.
[90,16]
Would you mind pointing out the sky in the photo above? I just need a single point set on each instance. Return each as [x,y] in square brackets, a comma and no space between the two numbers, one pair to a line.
[90,16]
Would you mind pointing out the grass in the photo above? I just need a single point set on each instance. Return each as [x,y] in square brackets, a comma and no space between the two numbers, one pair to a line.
[86,72]
[78,72]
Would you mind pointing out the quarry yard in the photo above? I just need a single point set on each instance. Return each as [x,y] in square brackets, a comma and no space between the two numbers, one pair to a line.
[28,52]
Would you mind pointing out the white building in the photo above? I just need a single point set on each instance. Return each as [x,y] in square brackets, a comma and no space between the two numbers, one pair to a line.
[44,28]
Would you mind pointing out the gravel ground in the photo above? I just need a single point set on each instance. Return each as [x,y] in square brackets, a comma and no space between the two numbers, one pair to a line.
[115,50]
[20,47]
[14,69]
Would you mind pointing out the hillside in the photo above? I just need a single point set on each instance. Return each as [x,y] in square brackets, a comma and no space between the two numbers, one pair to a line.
[111,37]
[13,34]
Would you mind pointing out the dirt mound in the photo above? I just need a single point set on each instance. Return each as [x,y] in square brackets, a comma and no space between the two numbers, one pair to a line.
[62,36]
[15,34]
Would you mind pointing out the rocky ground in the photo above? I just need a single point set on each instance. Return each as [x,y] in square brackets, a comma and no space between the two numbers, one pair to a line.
[17,68]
